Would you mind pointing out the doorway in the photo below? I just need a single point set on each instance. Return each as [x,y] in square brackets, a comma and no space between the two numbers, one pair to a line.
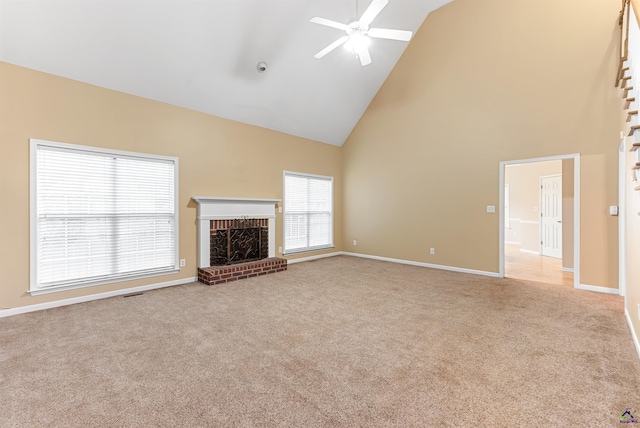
[539,219]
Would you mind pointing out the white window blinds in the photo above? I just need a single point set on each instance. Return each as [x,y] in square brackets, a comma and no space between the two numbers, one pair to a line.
[100,216]
[308,212]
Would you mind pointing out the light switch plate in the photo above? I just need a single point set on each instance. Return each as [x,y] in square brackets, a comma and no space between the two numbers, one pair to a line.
[491,208]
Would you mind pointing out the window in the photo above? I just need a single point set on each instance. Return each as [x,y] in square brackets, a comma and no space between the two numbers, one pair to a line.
[100,216]
[308,212]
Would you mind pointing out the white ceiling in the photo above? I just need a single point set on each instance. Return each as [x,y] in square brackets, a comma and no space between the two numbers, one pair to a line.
[202,55]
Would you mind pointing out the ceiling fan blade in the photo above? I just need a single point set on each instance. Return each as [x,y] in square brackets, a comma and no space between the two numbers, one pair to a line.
[331,47]
[383,33]
[329,23]
[365,57]
[372,11]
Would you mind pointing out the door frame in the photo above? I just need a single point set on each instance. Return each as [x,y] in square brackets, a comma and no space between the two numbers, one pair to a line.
[542,177]
[576,210]
[622,218]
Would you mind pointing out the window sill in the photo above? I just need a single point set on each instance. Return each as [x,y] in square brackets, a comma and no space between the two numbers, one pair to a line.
[307,250]
[55,289]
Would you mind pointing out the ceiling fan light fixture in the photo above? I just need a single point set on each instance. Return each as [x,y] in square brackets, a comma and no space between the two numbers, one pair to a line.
[357,41]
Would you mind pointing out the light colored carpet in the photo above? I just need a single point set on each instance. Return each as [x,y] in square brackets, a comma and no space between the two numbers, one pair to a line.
[336,342]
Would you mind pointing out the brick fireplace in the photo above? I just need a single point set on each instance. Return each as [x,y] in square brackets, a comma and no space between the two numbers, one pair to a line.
[236,239]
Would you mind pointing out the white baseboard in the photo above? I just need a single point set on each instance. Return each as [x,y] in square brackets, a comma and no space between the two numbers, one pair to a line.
[537,253]
[427,265]
[634,336]
[74,300]
[598,289]
[512,243]
[319,256]
[566,269]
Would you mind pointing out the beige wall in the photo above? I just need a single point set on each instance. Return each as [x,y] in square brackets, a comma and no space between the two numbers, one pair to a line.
[484,82]
[217,157]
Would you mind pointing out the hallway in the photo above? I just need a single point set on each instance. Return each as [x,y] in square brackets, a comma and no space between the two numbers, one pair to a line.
[532,267]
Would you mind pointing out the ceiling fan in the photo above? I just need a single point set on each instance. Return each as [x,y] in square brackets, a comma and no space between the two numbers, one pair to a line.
[358,33]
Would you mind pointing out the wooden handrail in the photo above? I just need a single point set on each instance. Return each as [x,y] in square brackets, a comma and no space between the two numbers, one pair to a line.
[626,36]
[623,18]
[624,21]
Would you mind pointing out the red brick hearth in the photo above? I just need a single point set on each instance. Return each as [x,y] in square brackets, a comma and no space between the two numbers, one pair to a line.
[220,274]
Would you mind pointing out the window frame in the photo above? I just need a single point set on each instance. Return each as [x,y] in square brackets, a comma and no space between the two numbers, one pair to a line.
[330,245]
[34,286]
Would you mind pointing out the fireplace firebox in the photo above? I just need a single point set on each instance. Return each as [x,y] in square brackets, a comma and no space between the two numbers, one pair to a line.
[238,241]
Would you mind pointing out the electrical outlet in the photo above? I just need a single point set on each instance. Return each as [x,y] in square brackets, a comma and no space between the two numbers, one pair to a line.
[432,251]
[183,262]
[280,250]
[355,242]
[491,208]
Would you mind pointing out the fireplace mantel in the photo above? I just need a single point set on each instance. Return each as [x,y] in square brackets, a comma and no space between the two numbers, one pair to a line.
[216,208]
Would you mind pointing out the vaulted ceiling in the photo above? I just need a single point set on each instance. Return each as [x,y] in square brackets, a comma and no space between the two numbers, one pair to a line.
[202,55]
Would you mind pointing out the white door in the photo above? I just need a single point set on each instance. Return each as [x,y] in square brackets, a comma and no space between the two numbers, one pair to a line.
[551,215]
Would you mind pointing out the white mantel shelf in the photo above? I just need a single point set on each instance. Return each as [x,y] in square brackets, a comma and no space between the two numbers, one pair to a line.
[214,199]
[216,208]
[213,208]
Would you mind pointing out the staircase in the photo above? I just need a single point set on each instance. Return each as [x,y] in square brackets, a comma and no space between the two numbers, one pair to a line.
[628,77]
